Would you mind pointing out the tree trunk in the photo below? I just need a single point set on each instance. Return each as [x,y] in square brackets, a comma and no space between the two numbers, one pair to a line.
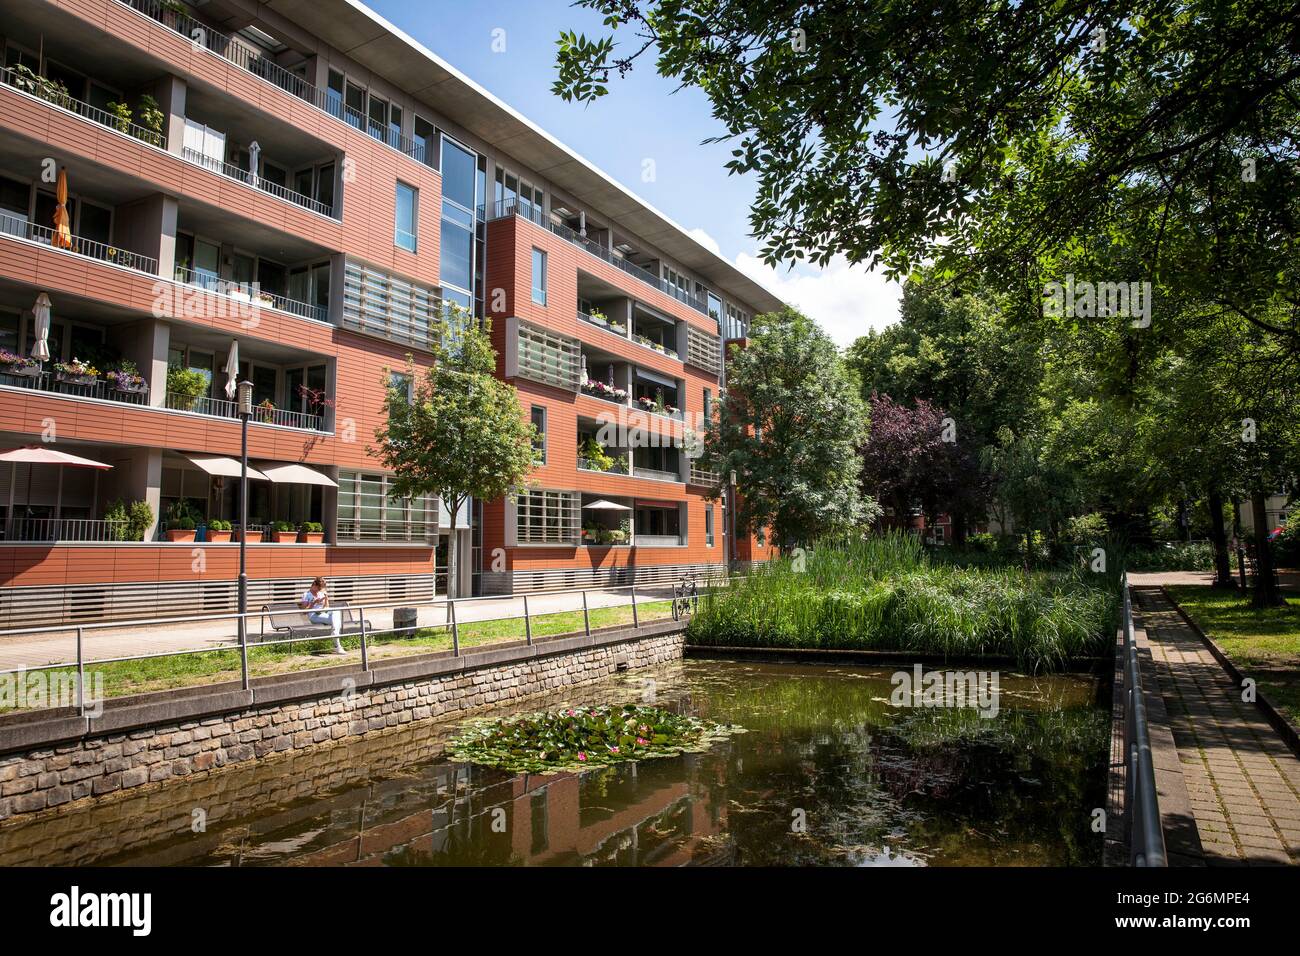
[1265,588]
[959,529]
[1219,535]
[453,568]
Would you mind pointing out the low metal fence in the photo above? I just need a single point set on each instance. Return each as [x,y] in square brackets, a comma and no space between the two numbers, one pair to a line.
[1146,838]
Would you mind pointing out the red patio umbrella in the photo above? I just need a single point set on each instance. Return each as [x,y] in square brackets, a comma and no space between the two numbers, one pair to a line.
[38,455]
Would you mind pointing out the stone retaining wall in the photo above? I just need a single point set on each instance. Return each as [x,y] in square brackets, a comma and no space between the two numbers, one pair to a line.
[162,737]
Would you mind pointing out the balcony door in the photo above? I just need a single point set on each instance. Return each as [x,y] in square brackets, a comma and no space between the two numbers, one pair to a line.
[265,378]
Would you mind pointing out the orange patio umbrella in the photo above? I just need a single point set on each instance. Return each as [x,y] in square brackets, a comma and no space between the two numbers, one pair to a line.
[62,225]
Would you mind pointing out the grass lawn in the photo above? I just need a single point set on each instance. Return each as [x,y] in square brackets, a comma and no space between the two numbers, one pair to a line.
[122,678]
[1264,644]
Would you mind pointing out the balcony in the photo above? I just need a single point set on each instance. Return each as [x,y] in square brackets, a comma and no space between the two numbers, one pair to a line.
[59,383]
[76,245]
[264,413]
[702,476]
[252,61]
[25,81]
[248,178]
[658,540]
[640,471]
[530,211]
[601,321]
[252,294]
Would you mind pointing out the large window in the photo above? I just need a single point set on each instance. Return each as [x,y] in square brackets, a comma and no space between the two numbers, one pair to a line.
[458,174]
[538,418]
[367,513]
[708,525]
[404,233]
[456,253]
[539,276]
[548,517]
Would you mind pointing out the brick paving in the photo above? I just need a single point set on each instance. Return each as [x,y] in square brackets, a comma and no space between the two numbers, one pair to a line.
[1242,779]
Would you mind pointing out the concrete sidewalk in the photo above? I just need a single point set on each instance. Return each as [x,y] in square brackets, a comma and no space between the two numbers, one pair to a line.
[1242,779]
[106,641]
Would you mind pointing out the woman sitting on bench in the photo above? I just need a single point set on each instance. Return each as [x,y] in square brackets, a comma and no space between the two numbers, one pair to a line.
[314,601]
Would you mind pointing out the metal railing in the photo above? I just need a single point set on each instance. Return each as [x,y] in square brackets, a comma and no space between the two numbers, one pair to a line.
[657,540]
[653,408]
[1146,837]
[27,530]
[101,389]
[245,624]
[653,346]
[513,207]
[262,414]
[253,61]
[606,323]
[43,89]
[639,471]
[252,293]
[596,390]
[619,467]
[31,232]
[249,178]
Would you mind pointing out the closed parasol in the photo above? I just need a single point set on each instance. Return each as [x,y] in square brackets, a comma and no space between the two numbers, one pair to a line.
[62,237]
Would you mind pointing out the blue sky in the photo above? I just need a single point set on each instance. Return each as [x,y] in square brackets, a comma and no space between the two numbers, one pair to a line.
[645,123]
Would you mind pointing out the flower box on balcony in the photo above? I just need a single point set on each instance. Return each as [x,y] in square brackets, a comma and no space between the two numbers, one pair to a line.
[180,534]
[284,537]
[249,537]
[18,365]
[311,532]
[219,537]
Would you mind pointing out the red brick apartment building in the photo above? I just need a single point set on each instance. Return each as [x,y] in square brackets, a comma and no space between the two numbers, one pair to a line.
[310,188]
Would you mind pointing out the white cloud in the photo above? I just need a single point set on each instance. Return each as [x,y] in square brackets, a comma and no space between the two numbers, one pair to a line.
[846,300]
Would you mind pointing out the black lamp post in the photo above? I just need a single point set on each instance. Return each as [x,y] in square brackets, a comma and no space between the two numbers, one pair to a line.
[245,407]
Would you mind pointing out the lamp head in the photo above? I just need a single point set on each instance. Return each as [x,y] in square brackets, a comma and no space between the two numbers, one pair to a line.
[245,398]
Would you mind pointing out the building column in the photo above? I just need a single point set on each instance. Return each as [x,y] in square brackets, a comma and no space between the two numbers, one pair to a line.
[170,94]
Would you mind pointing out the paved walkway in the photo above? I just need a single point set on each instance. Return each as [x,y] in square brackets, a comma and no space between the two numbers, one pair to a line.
[101,643]
[1243,781]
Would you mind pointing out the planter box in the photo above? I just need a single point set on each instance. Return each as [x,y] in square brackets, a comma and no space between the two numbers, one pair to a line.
[135,389]
[251,537]
[180,534]
[218,537]
[68,379]
[284,537]
[311,537]
[21,371]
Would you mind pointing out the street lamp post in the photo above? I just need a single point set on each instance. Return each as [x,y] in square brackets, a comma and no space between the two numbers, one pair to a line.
[245,406]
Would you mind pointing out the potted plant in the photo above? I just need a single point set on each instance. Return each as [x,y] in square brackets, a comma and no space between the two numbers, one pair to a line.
[182,521]
[284,532]
[126,378]
[151,120]
[18,365]
[311,532]
[76,372]
[254,532]
[265,410]
[184,387]
[219,531]
[598,317]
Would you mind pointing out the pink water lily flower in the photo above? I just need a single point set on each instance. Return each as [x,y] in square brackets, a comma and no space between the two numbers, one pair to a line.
[582,755]
[613,750]
[641,741]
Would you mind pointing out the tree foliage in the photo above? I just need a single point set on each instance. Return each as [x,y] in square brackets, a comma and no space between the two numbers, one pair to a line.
[789,425]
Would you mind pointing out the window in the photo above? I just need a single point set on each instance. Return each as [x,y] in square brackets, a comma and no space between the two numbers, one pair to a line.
[367,513]
[404,235]
[708,525]
[538,418]
[539,277]
[456,253]
[378,117]
[334,93]
[425,142]
[458,174]
[354,100]
[402,383]
[325,186]
[708,406]
[548,517]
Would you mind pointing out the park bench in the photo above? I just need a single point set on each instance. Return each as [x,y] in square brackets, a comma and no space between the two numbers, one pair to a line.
[292,621]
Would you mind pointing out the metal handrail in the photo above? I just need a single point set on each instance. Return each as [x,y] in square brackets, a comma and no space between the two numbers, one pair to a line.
[1146,837]
[451,623]
[28,530]
[32,86]
[224,408]
[22,229]
[253,292]
[100,389]
[250,178]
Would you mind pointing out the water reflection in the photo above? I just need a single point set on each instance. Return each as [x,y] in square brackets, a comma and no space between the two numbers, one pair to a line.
[829,773]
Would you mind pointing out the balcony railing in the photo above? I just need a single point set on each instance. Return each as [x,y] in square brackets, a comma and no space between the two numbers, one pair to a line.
[530,211]
[262,414]
[248,178]
[702,476]
[44,89]
[608,393]
[252,61]
[601,322]
[63,529]
[653,346]
[639,471]
[652,407]
[657,540]
[52,381]
[255,296]
[22,229]
[618,468]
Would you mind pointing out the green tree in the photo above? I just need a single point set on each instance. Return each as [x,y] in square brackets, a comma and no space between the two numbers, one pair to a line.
[459,434]
[789,425]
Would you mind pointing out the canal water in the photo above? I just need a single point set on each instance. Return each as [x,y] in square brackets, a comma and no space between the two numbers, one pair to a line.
[829,772]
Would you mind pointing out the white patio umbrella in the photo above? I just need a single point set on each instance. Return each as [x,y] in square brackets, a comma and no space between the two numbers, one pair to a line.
[41,328]
[232,370]
[602,504]
[33,455]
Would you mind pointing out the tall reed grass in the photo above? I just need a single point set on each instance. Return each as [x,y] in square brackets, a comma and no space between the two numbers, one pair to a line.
[885,593]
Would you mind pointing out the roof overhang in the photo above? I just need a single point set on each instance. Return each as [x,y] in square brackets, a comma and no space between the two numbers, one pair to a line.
[362,34]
